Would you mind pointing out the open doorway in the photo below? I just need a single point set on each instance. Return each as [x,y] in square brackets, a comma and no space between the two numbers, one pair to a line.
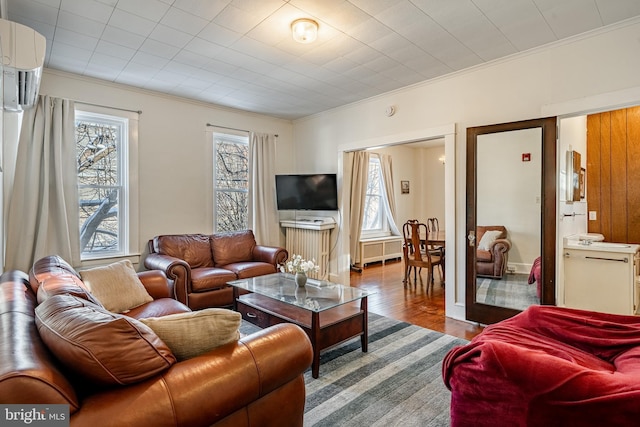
[416,191]
[608,199]
[454,291]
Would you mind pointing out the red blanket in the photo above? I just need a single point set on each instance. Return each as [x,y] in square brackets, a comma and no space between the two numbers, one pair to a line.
[548,366]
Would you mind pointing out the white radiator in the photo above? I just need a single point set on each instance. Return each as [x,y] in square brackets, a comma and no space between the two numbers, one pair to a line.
[379,249]
[312,243]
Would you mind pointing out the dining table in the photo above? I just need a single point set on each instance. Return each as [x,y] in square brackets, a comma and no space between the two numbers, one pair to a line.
[436,238]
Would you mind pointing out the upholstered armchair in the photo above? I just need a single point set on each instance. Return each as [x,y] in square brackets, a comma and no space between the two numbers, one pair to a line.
[492,251]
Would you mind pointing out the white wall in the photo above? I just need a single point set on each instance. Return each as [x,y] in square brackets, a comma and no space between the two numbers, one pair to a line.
[425,173]
[569,75]
[175,156]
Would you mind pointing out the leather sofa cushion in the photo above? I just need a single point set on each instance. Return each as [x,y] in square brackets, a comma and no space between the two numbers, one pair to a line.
[117,286]
[159,307]
[104,347]
[206,279]
[192,334]
[194,249]
[228,248]
[48,267]
[250,269]
[483,256]
[64,283]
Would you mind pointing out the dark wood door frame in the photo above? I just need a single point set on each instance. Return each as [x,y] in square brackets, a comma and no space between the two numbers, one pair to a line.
[487,314]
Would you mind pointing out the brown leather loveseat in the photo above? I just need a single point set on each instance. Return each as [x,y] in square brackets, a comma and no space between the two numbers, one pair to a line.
[256,381]
[492,253]
[200,265]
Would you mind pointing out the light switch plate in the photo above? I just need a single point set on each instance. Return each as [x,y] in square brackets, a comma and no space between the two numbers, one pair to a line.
[593,216]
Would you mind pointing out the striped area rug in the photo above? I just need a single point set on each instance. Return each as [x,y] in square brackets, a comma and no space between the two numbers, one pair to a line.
[398,382]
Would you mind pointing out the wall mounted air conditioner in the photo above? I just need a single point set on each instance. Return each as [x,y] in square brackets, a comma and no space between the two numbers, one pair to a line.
[23,51]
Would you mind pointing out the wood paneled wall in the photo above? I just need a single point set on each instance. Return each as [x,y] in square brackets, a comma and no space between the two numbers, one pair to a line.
[613,174]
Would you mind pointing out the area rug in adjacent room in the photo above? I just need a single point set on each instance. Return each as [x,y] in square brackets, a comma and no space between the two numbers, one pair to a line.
[512,291]
[397,383]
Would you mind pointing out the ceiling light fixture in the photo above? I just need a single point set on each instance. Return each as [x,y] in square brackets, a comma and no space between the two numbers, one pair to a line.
[304,30]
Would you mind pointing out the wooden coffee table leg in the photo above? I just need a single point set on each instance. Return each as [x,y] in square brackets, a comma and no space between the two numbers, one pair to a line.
[236,294]
[364,339]
[315,339]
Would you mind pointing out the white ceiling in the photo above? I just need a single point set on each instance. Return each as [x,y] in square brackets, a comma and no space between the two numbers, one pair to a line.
[239,53]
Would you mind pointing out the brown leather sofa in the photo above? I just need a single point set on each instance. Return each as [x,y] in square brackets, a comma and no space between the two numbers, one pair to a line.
[492,262]
[200,265]
[256,381]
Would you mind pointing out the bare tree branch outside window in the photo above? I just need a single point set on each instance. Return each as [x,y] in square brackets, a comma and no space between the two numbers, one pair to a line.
[231,183]
[99,185]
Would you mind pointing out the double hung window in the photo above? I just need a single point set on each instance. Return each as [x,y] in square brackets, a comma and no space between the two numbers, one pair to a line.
[105,196]
[231,182]
[375,222]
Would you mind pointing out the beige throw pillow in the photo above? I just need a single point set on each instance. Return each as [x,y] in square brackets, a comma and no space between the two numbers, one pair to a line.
[116,286]
[488,238]
[191,334]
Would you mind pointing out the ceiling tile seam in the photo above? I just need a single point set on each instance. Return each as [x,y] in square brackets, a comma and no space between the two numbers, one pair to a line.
[544,18]
[515,48]
[395,32]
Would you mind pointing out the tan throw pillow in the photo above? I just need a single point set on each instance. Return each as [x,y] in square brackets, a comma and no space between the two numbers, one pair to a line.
[116,286]
[100,346]
[191,334]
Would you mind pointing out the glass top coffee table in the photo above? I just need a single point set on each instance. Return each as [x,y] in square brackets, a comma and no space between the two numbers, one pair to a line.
[328,312]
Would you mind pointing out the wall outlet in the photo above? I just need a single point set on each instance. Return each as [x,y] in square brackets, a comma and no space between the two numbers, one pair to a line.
[511,269]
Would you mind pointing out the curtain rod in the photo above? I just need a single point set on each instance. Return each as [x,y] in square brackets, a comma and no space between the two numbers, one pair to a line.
[226,127]
[113,108]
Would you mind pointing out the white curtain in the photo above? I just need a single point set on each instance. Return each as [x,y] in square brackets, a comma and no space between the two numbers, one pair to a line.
[390,202]
[263,215]
[43,209]
[359,179]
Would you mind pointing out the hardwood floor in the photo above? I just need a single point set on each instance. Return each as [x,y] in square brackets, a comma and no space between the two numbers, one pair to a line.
[418,305]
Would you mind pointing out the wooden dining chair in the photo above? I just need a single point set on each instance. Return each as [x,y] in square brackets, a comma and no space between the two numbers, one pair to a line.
[407,246]
[417,257]
[434,226]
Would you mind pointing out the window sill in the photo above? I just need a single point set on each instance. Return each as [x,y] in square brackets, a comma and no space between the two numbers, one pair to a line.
[98,261]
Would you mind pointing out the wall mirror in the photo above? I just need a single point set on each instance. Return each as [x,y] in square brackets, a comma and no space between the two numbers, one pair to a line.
[511,176]
[573,176]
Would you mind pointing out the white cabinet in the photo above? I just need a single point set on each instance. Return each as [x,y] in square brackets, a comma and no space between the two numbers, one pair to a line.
[602,277]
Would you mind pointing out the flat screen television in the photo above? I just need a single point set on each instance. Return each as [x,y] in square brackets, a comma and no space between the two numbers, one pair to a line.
[313,192]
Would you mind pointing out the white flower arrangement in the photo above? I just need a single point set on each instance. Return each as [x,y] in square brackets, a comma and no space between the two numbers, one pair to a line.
[297,264]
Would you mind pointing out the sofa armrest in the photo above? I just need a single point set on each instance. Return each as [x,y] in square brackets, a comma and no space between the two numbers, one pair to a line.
[156,283]
[175,269]
[499,247]
[499,252]
[207,388]
[273,255]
